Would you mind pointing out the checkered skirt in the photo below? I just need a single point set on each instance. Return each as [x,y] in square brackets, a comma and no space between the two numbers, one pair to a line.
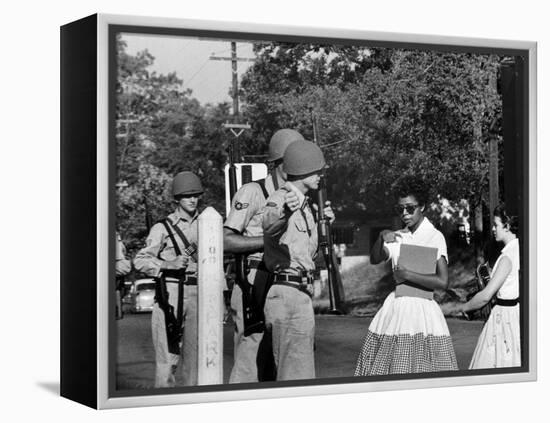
[407,335]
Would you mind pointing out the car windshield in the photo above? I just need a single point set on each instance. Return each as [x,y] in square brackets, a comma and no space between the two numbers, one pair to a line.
[145,286]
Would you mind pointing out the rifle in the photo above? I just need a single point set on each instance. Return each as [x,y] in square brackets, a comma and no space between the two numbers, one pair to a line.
[173,323]
[325,239]
[252,319]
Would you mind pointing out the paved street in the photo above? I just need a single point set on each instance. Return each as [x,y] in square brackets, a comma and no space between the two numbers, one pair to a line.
[338,341]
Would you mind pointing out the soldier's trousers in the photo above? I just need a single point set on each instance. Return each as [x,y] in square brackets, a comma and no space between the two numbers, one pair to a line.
[289,315]
[171,367]
[245,348]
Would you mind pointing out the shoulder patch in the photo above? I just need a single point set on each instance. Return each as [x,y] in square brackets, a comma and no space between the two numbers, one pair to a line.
[271,204]
[240,206]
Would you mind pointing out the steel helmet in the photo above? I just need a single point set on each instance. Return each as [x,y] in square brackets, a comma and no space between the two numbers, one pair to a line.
[302,158]
[280,141]
[186,183]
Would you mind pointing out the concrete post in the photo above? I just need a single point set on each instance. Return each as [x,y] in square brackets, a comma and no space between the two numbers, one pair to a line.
[210,298]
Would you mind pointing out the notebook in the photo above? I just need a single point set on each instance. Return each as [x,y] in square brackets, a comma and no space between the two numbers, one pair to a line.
[419,259]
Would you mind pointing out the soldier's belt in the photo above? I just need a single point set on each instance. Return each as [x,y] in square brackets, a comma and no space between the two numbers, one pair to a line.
[188,280]
[288,278]
[304,284]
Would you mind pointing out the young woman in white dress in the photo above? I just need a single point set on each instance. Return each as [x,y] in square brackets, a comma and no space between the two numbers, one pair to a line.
[499,342]
[409,334]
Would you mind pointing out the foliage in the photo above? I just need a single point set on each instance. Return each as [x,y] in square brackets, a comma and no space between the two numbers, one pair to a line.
[403,111]
[161,130]
[382,113]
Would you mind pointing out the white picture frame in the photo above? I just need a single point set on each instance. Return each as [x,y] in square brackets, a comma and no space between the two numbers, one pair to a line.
[99,35]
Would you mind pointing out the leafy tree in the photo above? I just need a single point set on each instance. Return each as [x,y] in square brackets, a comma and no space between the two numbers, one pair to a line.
[161,130]
[402,111]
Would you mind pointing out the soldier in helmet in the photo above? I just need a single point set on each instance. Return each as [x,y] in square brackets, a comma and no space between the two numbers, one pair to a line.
[243,234]
[170,257]
[290,246]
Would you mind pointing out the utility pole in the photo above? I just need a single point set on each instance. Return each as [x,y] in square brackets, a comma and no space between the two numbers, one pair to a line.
[493,163]
[234,76]
[235,89]
[235,80]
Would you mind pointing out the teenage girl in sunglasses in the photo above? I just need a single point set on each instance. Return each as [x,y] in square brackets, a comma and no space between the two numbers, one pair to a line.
[409,334]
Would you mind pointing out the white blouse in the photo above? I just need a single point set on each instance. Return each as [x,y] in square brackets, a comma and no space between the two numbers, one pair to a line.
[510,288]
[426,235]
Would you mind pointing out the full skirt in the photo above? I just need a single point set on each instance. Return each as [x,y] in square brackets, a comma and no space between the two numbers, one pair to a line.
[407,335]
[499,342]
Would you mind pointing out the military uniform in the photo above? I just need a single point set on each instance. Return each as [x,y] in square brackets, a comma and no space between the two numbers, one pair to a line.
[122,268]
[245,218]
[290,245]
[122,264]
[159,247]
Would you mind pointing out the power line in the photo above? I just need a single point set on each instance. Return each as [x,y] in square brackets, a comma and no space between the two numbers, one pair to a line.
[197,72]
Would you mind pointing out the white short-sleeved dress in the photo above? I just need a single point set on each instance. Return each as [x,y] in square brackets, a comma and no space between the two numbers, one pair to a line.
[499,342]
[408,334]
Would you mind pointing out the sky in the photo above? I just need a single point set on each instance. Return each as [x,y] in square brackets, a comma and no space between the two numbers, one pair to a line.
[189,57]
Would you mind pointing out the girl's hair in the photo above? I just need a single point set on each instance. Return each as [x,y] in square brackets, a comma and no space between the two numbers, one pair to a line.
[506,219]
[412,185]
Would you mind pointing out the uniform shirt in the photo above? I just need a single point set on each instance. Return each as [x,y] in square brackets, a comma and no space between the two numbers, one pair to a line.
[122,265]
[120,248]
[159,246]
[510,288]
[245,216]
[426,235]
[290,239]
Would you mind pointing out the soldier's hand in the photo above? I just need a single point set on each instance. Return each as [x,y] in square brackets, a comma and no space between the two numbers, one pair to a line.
[329,213]
[292,201]
[123,267]
[178,263]
[390,236]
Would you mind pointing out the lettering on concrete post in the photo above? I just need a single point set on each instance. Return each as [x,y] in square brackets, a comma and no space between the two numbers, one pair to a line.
[210,300]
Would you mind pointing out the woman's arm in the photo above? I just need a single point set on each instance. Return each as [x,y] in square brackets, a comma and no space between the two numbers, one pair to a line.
[378,252]
[503,269]
[438,281]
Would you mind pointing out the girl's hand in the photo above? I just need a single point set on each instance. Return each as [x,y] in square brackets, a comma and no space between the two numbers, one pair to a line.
[457,309]
[389,236]
[400,274]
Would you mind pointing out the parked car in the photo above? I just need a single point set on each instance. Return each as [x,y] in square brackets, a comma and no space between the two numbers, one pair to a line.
[141,296]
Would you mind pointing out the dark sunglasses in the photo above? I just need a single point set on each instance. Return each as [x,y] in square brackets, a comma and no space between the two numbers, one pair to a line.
[410,208]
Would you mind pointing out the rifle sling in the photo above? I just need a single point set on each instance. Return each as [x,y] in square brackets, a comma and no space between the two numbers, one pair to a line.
[275,180]
[261,183]
[190,249]
[171,235]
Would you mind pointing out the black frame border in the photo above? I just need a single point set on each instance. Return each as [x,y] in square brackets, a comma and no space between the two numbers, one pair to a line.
[78,211]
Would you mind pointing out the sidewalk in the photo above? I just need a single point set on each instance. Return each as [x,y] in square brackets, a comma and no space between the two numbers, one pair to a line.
[338,340]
